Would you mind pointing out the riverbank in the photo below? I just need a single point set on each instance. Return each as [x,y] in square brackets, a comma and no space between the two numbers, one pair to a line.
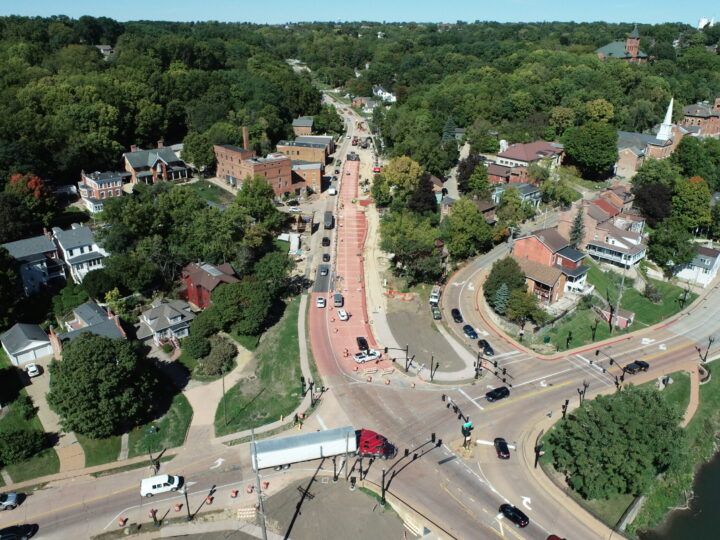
[674,489]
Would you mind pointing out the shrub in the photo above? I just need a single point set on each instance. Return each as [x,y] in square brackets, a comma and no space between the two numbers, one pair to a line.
[196,347]
[221,357]
[24,405]
[167,348]
[19,445]
[652,294]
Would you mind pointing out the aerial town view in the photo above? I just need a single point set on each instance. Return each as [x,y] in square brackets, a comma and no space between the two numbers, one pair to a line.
[389,270]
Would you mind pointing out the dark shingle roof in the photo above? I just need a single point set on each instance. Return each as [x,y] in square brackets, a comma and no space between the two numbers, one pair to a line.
[571,254]
[106,328]
[551,238]
[30,248]
[303,121]
[21,335]
[78,236]
[147,158]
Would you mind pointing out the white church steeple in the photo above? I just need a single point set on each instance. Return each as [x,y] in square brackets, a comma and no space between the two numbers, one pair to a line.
[665,131]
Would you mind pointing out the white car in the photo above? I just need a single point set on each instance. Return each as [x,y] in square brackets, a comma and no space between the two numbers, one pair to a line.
[33,370]
[343,315]
[320,302]
[324,272]
[367,356]
[295,210]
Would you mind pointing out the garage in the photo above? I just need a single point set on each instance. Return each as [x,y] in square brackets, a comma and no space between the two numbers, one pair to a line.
[26,343]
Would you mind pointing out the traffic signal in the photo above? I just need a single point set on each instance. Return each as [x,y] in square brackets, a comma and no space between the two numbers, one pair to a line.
[504,371]
[612,361]
[386,350]
[438,443]
[444,397]
[597,352]
[432,437]
[407,452]
[495,363]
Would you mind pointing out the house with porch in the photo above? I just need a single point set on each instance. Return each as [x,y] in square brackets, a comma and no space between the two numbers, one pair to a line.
[703,118]
[201,279]
[528,193]
[79,250]
[96,187]
[38,261]
[545,282]
[87,318]
[166,321]
[703,267]
[149,166]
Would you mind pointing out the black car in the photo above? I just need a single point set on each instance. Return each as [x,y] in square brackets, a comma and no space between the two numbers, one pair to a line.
[325,241]
[470,331]
[326,257]
[18,532]
[486,348]
[644,366]
[497,393]
[456,315]
[362,344]
[514,514]
[436,313]
[633,368]
[501,447]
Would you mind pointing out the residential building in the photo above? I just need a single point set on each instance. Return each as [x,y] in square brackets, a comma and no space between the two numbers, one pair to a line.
[303,151]
[201,279]
[165,321]
[327,140]
[149,166]
[437,188]
[487,209]
[446,204]
[502,174]
[545,282]
[95,187]
[309,173]
[528,193]
[88,317]
[228,158]
[702,117]
[105,50]
[522,155]
[620,196]
[383,94]
[612,239]
[79,250]
[38,261]
[628,50]
[549,247]
[703,268]
[303,125]
[25,343]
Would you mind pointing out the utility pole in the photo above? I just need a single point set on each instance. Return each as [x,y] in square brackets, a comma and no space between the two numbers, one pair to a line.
[617,304]
[224,401]
[261,509]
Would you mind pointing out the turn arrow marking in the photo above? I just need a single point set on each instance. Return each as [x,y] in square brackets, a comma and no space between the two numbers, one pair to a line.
[218,462]
[526,502]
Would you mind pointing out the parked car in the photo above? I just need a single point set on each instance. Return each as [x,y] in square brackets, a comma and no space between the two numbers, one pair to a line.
[486,348]
[19,532]
[367,356]
[497,393]
[324,271]
[501,447]
[362,343]
[33,370]
[514,514]
[325,241]
[160,484]
[456,315]
[326,257]
[295,210]
[8,501]
[334,178]
[636,366]
[343,315]
[320,302]
[470,331]
[337,171]
[436,313]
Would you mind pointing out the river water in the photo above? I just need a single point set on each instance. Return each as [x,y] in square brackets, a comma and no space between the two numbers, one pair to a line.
[702,520]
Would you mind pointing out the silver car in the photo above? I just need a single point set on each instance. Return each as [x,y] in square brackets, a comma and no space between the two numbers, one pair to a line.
[8,501]
[367,356]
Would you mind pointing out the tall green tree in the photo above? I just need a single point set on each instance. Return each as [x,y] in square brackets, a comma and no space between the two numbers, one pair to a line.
[16,221]
[506,272]
[523,306]
[9,287]
[466,233]
[656,171]
[502,296]
[101,387]
[512,210]
[479,184]
[654,201]
[423,198]
[402,175]
[671,244]
[243,307]
[577,233]
[593,147]
[691,202]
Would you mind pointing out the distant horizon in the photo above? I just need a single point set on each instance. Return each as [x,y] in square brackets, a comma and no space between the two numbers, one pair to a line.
[279,12]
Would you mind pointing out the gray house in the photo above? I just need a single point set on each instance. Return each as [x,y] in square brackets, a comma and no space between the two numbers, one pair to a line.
[38,261]
[25,343]
[79,250]
[165,321]
[528,192]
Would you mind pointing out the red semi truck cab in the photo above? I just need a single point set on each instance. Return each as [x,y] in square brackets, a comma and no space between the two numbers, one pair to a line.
[374,445]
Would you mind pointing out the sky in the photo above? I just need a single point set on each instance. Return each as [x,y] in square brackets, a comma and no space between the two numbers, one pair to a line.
[282,11]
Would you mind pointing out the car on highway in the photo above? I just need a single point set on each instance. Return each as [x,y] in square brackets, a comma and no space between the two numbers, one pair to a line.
[636,366]
[326,257]
[320,302]
[470,332]
[362,343]
[160,484]
[8,501]
[456,315]
[436,313]
[486,348]
[325,241]
[497,393]
[33,370]
[501,447]
[367,356]
[514,514]
[343,315]
[554,537]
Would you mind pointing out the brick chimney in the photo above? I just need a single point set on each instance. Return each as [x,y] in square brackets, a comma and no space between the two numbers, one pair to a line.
[246,138]
[161,144]
[114,318]
[133,148]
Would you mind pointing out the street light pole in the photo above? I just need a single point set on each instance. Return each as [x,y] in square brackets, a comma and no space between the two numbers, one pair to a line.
[223,396]
[187,504]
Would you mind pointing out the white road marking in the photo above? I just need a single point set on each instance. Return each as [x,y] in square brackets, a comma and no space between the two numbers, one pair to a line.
[510,353]
[480,441]
[470,399]
[584,367]
[542,378]
[526,502]
[591,364]
[320,421]
[218,462]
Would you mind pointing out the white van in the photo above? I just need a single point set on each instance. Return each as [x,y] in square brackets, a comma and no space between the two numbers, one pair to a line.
[160,484]
[332,191]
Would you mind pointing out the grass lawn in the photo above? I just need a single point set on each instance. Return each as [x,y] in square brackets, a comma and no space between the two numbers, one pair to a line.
[607,284]
[249,342]
[677,393]
[647,313]
[44,463]
[580,323]
[99,451]
[211,192]
[276,389]
[171,431]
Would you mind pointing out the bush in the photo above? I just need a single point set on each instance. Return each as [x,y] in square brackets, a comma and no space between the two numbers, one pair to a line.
[167,348]
[652,294]
[220,358]
[206,323]
[19,445]
[25,407]
[196,347]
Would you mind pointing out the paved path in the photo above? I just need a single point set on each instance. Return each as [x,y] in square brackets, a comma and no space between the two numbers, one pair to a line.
[124,447]
[694,396]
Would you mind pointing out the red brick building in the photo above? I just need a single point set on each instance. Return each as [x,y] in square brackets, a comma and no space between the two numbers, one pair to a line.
[149,166]
[702,118]
[501,174]
[304,151]
[277,170]
[303,125]
[628,50]
[229,158]
[96,187]
[202,279]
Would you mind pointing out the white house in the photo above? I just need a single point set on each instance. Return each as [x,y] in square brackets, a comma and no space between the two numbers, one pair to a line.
[703,268]
[79,250]
[383,94]
[25,343]
[165,321]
